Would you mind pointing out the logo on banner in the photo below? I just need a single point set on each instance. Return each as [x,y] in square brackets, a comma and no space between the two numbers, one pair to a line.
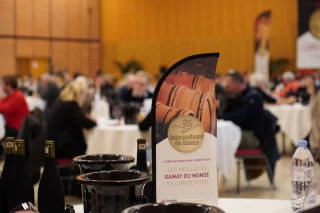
[185,134]
[314,24]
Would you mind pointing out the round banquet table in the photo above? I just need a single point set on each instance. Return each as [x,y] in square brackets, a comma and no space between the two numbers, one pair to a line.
[35,102]
[294,120]
[228,140]
[2,127]
[238,205]
[108,138]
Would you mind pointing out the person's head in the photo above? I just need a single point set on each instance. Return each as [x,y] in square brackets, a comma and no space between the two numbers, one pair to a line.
[258,80]
[67,77]
[130,79]
[10,83]
[76,90]
[246,77]
[309,80]
[218,78]
[234,83]
[288,76]
[45,79]
[141,83]
[107,79]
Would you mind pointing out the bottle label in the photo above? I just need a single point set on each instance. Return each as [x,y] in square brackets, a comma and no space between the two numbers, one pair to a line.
[142,147]
[298,174]
[46,150]
[9,144]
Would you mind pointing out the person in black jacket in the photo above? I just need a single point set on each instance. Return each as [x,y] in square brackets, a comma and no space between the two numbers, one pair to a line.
[246,110]
[139,92]
[66,120]
[50,90]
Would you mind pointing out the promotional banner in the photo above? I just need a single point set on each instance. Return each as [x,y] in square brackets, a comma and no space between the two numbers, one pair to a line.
[184,132]
[261,47]
[308,42]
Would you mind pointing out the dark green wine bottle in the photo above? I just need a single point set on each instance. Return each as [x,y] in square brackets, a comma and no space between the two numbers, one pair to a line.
[21,186]
[143,167]
[51,192]
[141,156]
[6,175]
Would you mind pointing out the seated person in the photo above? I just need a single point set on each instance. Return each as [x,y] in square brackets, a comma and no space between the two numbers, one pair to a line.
[128,85]
[258,82]
[246,110]
[139,91]
[290,85]
[66,120]
[51,91]
[13,106]
[107,89]
[307,92]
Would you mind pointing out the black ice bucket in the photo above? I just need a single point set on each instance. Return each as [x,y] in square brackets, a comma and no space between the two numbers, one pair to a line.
[173,208]
[95,163]
[113,191]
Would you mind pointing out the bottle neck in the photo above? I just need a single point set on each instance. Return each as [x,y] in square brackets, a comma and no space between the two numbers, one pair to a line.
[141,148]
[9,148]
[50,152]
[141,154]
[20,150]
[141,157]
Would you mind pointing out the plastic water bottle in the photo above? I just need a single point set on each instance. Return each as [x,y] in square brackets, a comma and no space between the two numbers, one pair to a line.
[302,174]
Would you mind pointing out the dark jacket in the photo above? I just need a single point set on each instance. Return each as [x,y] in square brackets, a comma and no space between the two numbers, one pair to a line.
[33,133]
[266,97]
[247,112]
[50,95]
[65,126]
[128,97]
[269,146]
[146,123]
[303,96]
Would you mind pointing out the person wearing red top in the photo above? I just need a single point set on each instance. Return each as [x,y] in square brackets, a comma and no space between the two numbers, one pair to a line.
[13,107]
[291,85]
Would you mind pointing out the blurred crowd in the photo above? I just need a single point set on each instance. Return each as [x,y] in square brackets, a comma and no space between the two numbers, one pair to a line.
[69,102]
[241,98]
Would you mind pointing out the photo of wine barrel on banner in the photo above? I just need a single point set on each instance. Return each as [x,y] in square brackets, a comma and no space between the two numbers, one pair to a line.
[201,103]
[196,82]
[166,115]
[184,152]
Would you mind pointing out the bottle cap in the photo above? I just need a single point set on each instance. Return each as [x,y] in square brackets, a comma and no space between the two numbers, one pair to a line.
[20,141]
[10,139]
[302,143]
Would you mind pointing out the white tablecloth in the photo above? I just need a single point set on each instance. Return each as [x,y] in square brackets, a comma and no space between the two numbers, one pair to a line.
[294,120]
[108,139]
[34,102]
[113,140]
[2,127]
[231,205]
[229,136]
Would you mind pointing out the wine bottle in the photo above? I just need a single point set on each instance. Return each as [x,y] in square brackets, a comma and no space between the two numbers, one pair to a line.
[141,156]
[21,186]
[50,193]
[142,166]
[6,174]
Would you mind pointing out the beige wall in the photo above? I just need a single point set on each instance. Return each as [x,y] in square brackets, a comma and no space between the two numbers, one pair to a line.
[65,31]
